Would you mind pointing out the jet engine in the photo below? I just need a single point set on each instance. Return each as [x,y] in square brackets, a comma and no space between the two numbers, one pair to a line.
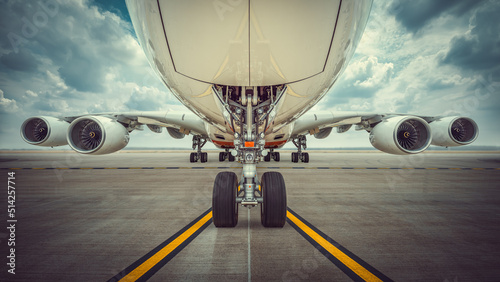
[401,135]
[97,135]
[453,131]
[45,131]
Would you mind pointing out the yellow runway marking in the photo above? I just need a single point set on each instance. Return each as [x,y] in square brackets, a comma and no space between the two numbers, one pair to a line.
[165,251]
[342,257]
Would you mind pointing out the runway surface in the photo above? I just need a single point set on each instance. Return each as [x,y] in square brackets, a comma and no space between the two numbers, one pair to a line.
[428,217]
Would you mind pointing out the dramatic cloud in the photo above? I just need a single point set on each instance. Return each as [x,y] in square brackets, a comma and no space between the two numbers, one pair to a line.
[71,57]
[414,15]
[426,57]
[479,48]
[362,79]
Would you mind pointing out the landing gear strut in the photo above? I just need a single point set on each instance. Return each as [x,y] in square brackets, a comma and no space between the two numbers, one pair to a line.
[249,119]
[198,143]
[300,142]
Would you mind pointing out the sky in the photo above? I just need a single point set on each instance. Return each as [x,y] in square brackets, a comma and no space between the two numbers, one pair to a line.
[64,58]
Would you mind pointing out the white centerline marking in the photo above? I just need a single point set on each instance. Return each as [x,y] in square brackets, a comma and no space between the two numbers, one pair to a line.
[249,255]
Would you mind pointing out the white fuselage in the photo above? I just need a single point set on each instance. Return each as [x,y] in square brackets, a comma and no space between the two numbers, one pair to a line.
[193,45]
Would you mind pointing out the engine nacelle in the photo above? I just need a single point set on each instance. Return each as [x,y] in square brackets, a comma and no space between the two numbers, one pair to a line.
[401,135]
[97,135]
[45,131]
[323,133]
[175,133]
[453,131]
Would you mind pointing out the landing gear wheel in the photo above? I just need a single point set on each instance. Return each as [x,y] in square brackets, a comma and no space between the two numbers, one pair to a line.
[221,157]
[204,157]
[273,207]
[224,205]
[306,158]
[231,158]
[295,157]
[276,156]
[267,158]
[192,157]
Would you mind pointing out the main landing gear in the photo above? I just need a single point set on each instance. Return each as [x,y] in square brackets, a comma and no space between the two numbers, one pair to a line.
[198,143]
[249,141]
[272,155]
[300,142]
[226,156]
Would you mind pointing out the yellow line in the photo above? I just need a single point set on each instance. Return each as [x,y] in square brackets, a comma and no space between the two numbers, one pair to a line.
[346,260]
[161,254]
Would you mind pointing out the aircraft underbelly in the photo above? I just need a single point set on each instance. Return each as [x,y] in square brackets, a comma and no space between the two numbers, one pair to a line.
[195,44]
[249,43]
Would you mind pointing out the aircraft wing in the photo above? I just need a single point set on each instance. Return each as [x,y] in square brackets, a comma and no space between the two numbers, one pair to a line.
[313,122]
[107,132]
[184,122]
[391,132]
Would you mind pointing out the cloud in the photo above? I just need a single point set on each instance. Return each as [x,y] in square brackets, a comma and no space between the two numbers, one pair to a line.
[7,105]
[22,61]
[414,15]
[362,79]
[479,47]
[147,99]
[71,58]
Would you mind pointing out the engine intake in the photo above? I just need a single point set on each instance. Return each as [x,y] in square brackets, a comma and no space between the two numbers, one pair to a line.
[453,131]
[44,131]
[401,135]
[97,135]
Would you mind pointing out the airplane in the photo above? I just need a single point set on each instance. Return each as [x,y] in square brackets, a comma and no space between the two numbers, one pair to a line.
[249,71]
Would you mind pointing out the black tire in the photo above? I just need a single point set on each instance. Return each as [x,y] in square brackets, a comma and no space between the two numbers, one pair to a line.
[306,157]
[221,156]
[204,157]
[192,157]
[231,158]
[273,207]
[295,157]
[268,157]
[277,156]
[224,206]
